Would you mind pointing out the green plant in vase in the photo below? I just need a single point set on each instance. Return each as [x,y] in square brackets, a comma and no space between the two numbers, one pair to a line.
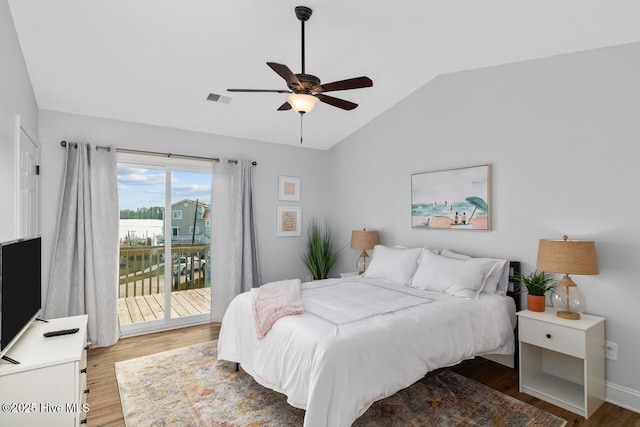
[537,284]
[319,256]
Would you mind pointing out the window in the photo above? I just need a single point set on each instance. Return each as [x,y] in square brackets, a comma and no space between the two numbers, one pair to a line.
[175,231]
[207,223]
[177,214]
[197,230]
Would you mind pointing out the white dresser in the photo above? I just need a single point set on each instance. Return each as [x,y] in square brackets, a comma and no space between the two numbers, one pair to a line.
[562,361]
[49,386]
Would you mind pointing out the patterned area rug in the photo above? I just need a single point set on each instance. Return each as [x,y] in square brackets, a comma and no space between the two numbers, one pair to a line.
[190,387]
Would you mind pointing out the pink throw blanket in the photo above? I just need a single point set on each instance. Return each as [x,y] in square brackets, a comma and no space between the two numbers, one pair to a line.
[274,300]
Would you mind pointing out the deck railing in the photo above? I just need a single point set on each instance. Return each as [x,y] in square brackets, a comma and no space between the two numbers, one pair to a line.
[142,269]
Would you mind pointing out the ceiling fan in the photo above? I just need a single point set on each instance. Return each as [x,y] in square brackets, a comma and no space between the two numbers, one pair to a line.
[305,90]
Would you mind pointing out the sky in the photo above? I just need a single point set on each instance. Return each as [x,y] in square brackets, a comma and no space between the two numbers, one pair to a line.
[138,187]
[452,185]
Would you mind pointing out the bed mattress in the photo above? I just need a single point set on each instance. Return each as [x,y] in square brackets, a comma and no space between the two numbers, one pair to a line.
[361,340]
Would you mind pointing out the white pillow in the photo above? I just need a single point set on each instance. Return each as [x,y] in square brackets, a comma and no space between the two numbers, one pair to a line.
[497,280]
[463,278]
[394,264]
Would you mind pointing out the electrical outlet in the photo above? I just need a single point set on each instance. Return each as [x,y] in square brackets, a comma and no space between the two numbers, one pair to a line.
[610,350]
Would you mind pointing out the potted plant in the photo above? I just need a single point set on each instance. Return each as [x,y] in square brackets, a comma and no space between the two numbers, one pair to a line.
[537,284]
[320,256]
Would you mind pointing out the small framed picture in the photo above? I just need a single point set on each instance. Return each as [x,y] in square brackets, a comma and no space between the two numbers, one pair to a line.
[289,220]
[289,188]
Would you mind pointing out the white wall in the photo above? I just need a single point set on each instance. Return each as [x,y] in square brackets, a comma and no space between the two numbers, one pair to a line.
[562,135]
[279,256]
[16,97]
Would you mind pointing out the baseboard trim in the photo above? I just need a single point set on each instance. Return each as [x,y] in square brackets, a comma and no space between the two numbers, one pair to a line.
[624,397]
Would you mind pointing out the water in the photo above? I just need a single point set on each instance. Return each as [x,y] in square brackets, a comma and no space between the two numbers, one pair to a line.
[440,209]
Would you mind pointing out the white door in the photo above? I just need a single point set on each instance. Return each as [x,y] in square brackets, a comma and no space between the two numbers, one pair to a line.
[28,187]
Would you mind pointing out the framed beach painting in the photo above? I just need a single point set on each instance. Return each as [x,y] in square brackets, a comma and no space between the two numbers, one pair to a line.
[289,220]
[289,188]
[453,199]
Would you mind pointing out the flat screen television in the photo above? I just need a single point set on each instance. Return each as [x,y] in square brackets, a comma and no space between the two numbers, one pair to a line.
[20,288]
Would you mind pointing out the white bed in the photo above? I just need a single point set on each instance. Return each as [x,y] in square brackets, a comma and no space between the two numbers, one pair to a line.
[362,339]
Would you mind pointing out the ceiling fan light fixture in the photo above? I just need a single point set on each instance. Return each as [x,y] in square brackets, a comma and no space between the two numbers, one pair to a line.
[301,102]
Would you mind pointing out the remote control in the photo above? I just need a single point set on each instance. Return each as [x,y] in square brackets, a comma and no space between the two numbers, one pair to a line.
[61,332]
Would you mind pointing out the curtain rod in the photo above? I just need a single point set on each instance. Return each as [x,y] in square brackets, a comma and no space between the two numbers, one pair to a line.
[153,153]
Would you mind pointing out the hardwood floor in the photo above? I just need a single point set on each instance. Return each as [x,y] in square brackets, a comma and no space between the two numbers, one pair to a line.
[104,399]
[505,380]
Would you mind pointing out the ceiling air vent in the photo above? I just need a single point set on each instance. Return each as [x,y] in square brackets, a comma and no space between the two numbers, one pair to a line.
[219,98]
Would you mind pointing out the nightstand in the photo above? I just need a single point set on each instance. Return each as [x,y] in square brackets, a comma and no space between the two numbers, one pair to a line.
[349,274]
[562,361]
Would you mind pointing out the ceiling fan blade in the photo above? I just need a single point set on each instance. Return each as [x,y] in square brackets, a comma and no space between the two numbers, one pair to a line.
[354,83]
[284,72]
[284,107]
[336,102]
[259,90]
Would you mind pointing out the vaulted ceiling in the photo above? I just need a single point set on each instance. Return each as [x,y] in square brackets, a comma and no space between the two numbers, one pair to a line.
[156,61]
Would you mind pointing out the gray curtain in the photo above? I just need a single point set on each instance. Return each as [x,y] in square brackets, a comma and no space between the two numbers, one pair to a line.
[84,272]
[234,256]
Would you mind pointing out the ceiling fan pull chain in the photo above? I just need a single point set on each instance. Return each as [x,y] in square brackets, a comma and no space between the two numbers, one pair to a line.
[301,128]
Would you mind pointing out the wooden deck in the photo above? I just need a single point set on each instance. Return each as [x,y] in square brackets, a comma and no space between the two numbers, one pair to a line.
[151,307]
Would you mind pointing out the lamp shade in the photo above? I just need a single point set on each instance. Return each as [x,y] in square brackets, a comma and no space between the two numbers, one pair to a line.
[364,239]
[302,103]
[567,256]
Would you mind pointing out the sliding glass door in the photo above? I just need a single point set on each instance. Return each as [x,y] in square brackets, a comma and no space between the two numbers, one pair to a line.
[165,240]
[190,243]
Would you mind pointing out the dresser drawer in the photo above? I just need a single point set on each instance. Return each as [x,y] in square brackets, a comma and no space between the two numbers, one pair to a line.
[562,339]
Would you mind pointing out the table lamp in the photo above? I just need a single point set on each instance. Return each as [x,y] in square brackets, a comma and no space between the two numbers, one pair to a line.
[363,239]
[568,257]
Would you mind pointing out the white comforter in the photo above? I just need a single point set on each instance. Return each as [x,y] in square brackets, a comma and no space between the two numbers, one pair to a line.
[361,340]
